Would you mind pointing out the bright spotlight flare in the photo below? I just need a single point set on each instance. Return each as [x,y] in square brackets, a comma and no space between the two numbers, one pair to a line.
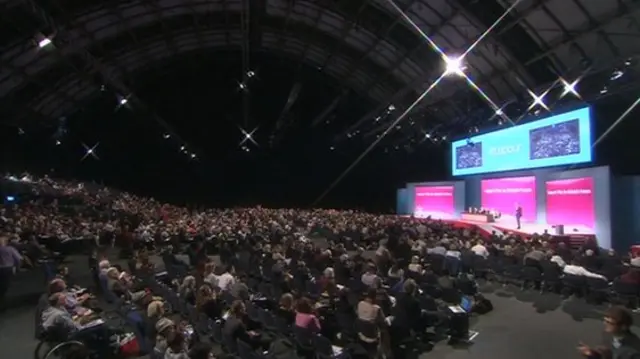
[454,66]
[538,100]
[570,88]
[437,49]
[90,151]
[44,42]
[247,136]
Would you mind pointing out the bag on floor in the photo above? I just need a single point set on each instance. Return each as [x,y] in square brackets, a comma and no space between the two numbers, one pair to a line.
[482,305]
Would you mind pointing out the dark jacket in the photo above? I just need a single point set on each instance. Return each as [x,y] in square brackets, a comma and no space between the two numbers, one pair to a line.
[626,348]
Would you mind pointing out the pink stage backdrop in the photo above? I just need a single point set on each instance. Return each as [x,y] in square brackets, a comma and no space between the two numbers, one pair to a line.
[570,201]
[434,201]
[502,195]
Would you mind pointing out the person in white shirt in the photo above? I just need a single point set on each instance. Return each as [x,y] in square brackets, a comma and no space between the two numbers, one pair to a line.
[226,280]
[453,252]
[556,259]
[575,269]
[480,250]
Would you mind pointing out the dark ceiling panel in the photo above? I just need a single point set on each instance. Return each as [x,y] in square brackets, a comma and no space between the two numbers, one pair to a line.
[522,46]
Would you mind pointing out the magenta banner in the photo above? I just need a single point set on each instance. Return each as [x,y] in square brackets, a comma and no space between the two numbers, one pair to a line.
[505,194]
[434,201]
[570,201]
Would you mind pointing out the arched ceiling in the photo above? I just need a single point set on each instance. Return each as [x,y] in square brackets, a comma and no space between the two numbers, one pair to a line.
[364,44]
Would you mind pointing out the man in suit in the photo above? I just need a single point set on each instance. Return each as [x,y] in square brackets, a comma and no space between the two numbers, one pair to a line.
[622,343]
[518,214]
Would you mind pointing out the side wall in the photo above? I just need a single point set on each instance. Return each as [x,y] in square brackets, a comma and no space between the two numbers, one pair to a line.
[402,202]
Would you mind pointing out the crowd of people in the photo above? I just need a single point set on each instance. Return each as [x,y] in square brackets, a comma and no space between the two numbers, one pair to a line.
[561,139]
[369,284]
[469,155]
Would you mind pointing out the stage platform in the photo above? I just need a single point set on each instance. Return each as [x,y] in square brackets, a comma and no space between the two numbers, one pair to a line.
[575,233]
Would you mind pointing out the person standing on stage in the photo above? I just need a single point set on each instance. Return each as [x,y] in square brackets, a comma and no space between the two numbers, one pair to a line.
[518,214]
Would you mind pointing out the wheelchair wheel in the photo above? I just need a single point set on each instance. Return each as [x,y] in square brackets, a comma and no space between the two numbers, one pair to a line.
[67,350]
[41,349]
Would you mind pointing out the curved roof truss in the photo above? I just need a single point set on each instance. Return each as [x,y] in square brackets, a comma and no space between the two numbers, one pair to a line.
[375,55]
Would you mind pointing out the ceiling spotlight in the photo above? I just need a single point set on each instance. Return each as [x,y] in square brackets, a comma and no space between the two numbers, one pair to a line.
[44,42]
[454,66]
[538,100]
[444,138]
[193,155]
[182,148]
[166,136]
[499,112]
[616,75]
[391,107]
[248,136]
[58,143]
[90,151]
[250,74]
[242,86]
[123,101]
[428,135]
[332,148]
[569,88]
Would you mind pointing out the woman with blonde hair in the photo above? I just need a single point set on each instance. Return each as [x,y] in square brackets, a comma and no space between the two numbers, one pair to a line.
[187,289]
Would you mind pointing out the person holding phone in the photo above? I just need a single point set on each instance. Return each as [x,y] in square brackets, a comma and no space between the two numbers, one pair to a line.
[621,343]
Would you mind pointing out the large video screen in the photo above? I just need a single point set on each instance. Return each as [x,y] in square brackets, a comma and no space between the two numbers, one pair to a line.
[506,194]
[571,202]
[557,140]
[436,202]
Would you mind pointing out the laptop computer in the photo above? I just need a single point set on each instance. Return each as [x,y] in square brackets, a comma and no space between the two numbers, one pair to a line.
[466,304]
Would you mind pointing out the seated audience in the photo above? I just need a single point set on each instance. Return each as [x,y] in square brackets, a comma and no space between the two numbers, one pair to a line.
[415,265]
[370,277]
[177,347]
[286,309]
[234,328]
[187,289]
[305,318]
[207,302]
[226,280]
[57,318]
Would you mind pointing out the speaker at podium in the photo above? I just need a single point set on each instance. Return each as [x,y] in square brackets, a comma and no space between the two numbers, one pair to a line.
[558,229]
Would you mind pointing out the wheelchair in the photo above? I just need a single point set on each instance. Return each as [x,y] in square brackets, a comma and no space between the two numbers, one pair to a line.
[54,344]
[64,350]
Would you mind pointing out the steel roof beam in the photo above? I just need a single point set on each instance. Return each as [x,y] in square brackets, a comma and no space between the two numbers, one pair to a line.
[94,64]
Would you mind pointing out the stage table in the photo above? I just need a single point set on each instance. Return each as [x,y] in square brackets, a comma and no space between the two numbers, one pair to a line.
[478,217]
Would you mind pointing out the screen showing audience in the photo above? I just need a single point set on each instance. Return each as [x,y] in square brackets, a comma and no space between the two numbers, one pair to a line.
[505,194]
[556,140]
[571,202]
[434,201]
